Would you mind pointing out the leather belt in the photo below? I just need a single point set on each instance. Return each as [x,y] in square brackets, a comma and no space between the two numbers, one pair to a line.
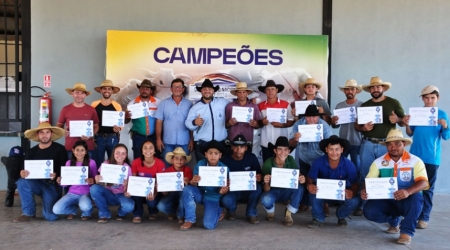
[374,140]
[104,135]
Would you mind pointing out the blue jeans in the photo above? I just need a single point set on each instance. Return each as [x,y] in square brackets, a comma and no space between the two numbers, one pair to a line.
[382,211]
[269,198]
[104,197]
[212,210]
[69,204]
[354,156]
[342,212]
[104,144]
[170,148]
[229,200]
[137,144]
[50,193]
[139,205]
[428,194]
[172,203]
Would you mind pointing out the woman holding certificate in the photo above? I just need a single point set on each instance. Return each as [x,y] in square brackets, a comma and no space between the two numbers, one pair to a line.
[146,166]
[109,190]
[79,181]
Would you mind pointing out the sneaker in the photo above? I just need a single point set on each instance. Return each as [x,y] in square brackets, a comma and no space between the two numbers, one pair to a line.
[102,220]
[231,216]
[70,217]
[342,222]
[358,212]
[120,217]
[84,218]
[253,219]
[270,216]
[288,221]
[404,239]
[186,226]
[393,230]
[422,224]
[24,218]
[171,217]
[153,217]
[315,224]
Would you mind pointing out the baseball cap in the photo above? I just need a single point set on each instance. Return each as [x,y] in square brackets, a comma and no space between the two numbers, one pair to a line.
[428,90]
[16,151]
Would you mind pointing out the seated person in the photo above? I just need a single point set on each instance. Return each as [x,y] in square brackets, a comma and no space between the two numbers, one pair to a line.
[333,166]
[242,160]
[208,196]
[411,177]
[282,159]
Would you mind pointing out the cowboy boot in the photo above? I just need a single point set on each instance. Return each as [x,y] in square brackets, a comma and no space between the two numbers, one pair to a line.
[9,200]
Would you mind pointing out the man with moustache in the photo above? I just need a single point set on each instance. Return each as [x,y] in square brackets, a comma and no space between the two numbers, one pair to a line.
[106,137]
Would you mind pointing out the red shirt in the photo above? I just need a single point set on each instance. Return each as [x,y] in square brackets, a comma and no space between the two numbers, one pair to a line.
[187,172]
[138,169]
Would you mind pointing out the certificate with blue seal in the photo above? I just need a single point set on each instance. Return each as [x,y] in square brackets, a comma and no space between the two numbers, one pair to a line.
[113,118]
[370,114]
[284,178]
[39,169]
[423,116]
[346,115]
[328,189]
[300,106]
[381,188]
[112,173]
[72,175]
[80,128]
[310,132]
[140,186]
[169,182]
[242,114]
[276,115]
[211,176]
[242,181]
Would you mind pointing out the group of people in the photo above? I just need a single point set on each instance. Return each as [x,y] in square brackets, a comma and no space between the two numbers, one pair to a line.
[163,142]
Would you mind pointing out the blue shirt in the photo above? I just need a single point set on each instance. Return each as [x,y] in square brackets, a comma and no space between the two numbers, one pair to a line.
[309,151]
[345,170]
[173,116]
[427,140]
[248,163]
[210,193]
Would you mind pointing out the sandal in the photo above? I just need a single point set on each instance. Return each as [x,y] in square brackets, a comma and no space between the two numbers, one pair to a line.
[84,218]
[70,217]
[186,226]
[137,220]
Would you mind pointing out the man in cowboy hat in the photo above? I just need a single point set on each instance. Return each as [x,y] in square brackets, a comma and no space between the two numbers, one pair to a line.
[171,132]
[242,160]
[242,127]
[172,202]
[311,89]
[207,118]
[48,189]
[411,175]
[281,159]
[427,146]
[144,127]
[307,152]
[374,134]
[78,110]
[333,165]
[107,137]
[270,131]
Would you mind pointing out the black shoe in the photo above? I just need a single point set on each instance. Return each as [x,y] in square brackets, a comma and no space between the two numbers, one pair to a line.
[9,200]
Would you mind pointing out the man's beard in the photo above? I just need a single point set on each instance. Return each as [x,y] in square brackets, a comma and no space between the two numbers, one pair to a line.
[350,96]
[106,97]
[207,98]
[380,94]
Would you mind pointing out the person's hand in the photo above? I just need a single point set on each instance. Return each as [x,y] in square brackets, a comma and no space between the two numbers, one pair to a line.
[24,173]
[293,112]
[406,119]
[277,125]
[190,146]
[312,188]
[253,124]
[267,178]
[128,195]
[159,144]
[58,180]
[89,181]
[297,136]
[223,190]
[198,121]
[186,181]
[98,178]
[334,119]
[116,129]
[368,126]
[52,176]
[258,177]
[151,196]
[301,179]
[127,114]
[86,138]
[232,121]
[195,180]
[401,194]
[364,195]
[66,132]
[320,108]
[264,121]
[443,123]
[348,194]
[393,118]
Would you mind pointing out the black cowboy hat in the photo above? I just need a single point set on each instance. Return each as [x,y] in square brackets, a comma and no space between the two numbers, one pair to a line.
[207,83]
[282,141]
[271,83]
[214,144]
[311,110]
[334,139]
[146,83]
[238,140]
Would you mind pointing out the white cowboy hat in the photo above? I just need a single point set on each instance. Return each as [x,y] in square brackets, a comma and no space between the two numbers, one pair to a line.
[241,86]
[179,152]
[351,83]
[376,81]
[396,135]
[310,81]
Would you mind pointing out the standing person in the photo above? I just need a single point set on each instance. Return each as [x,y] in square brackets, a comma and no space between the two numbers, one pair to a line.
[145,127]
[78,110]
[427,146]
[48,189]
[14,164]
[270,131]
[171,132]
[207,118]
[244,128]
[78,195]
[242,159]
[281,159]
[311,87]
[374,134]
[109,194]
[403,211]
[106,137]
[333,166]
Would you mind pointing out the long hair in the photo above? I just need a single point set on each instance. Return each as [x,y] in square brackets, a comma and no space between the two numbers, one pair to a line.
[142,147]
[111,159]
[86,159]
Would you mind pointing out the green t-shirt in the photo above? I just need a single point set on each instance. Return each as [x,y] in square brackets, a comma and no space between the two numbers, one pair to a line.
[381,130]
[270,163]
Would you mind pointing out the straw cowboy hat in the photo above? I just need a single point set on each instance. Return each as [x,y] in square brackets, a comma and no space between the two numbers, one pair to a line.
[178,151]
[107,83]
[146,83]
[334,139]
[207,84]
[271,83]
[56,132]
[396,135]
[78,86]
[376,81]
[310,81]
[241,86]
[351,83]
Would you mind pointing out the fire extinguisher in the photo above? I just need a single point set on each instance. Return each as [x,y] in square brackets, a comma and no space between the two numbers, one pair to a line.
[45,108]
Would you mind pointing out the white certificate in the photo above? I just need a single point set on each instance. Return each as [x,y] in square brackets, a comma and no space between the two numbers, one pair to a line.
[370,114]
[276,115]
[330,189]
[141,109]
[212,176]
[310,133]
[423,116]
[113,118]
[284,178]
[168,182]
[346,115]
[39,169]
[242,181]
[242,114]
[112,173]
[80,128]
[381,188]
[140,186]
[74,175]
[300,106]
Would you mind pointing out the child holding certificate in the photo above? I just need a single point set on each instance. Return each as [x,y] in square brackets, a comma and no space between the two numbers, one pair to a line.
[112,194]
[147,165]
[209,196]
[78,195]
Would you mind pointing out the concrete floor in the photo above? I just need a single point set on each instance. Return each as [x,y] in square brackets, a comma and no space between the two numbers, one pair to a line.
[164,234]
